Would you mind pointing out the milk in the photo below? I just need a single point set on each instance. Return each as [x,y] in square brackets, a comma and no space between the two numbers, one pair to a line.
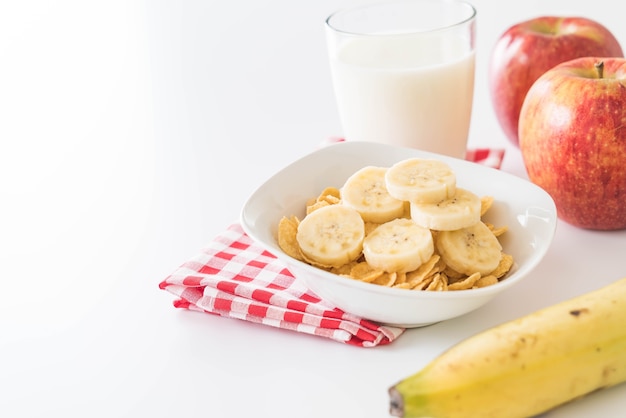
[409,91]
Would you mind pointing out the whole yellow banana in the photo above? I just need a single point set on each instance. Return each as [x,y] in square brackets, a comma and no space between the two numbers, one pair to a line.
[526,366]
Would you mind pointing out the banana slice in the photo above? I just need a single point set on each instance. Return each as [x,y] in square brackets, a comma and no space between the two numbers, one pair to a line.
[460,211]
[331,236]
[470,250]
[421,180]
[398,246]
[366,192]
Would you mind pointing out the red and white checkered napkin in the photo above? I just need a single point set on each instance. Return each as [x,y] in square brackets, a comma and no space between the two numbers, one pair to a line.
[236,278]
[490,157]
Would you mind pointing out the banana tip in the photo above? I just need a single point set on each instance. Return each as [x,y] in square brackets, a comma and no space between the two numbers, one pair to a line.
[396,403]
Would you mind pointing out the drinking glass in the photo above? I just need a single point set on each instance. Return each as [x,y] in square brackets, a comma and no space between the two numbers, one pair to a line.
[403,72]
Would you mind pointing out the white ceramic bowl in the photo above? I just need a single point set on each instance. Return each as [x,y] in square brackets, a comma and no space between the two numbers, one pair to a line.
[527,210]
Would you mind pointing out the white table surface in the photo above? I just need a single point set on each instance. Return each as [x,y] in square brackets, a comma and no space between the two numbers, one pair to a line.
[131,133]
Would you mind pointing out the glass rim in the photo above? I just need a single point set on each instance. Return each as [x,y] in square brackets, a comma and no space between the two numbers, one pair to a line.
[471,17]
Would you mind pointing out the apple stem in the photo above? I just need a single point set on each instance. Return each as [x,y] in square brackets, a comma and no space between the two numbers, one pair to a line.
[600,68]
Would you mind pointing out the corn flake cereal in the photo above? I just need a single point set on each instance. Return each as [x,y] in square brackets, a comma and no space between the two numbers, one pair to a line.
[466,283]
[287,230]
[364,272]
[432,275]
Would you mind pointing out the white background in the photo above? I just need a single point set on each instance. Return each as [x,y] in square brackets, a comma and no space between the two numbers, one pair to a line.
[131,133]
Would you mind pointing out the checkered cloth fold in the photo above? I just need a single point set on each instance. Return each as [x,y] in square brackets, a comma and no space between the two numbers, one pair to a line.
[490,157]
[236,278]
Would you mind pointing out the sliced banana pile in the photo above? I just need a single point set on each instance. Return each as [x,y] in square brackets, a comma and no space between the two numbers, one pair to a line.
[406,226]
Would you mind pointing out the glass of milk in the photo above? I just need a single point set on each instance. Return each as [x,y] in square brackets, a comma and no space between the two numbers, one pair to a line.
[403,72]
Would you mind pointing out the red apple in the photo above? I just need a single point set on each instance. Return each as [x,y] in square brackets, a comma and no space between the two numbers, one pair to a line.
[572,137]
[528,49]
